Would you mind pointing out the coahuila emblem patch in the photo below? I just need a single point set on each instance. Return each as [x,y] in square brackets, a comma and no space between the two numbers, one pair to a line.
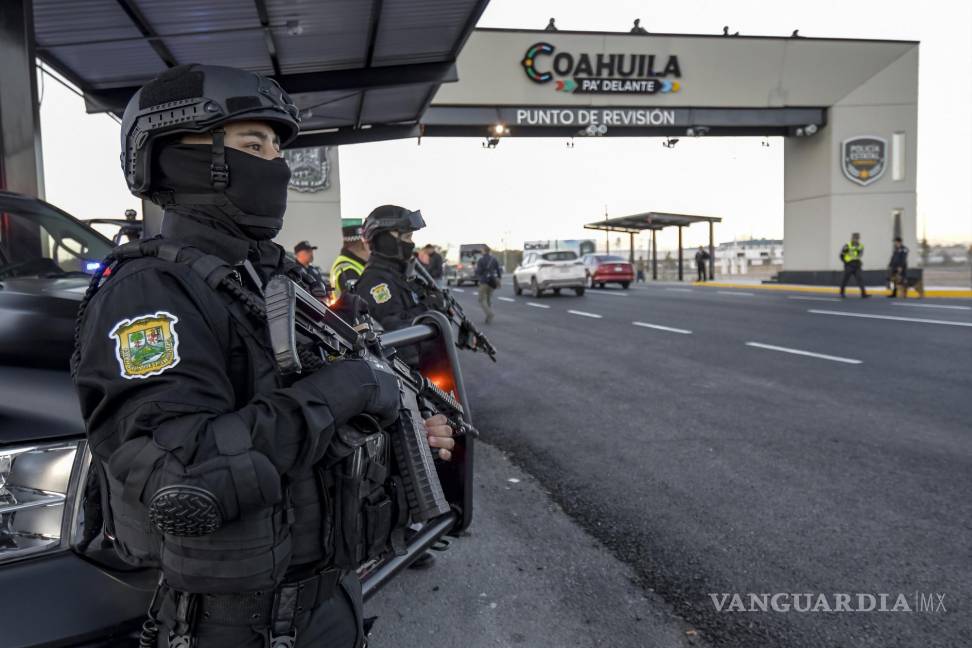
[146,345]
[380,293]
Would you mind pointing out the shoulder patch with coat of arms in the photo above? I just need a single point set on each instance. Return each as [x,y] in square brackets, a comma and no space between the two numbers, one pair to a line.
[146,345]
[380,293]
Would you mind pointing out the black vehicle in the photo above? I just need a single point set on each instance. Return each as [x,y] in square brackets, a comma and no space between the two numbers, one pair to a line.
[46,258]
[56,590]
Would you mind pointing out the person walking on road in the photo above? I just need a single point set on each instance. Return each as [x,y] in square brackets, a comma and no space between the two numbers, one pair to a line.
[641,270]
[898,269]
[851,255]
[488,273]
[701,258]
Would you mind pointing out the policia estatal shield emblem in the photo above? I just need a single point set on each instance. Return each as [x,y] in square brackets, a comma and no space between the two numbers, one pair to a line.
[146,345]
[864,158]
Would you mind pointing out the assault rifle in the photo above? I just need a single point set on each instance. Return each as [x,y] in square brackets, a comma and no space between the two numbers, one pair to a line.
[295,317]
[469,336]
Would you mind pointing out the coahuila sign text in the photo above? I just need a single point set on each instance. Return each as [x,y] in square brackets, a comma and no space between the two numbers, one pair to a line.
[602,73]
[596,116]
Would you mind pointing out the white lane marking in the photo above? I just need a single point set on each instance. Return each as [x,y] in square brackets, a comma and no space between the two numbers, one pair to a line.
[890,317]
[536,305]
[584,314]
[830,299]
[606,292]
[736,292]
[810,354]
[680,289]
[662,328]
[457,290]
[508,299]
[932,306]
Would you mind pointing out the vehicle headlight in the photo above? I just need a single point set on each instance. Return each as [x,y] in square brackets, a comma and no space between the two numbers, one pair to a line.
[38,489]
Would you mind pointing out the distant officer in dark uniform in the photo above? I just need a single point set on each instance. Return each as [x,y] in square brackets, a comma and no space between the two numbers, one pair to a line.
[214,468]
[701,258]
[898,269]
[851,255]
[304,253]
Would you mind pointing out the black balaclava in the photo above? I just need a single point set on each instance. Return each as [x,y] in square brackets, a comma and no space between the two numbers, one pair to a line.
[254,200]
[386,245]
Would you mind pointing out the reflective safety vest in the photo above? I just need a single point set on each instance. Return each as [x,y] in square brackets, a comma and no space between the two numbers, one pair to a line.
[342,263]
[853,252]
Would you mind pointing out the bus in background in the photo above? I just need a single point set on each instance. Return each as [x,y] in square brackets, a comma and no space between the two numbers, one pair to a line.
[462,269]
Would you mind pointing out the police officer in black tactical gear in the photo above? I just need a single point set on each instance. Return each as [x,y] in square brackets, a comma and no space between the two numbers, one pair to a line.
[212,467]
[384,285]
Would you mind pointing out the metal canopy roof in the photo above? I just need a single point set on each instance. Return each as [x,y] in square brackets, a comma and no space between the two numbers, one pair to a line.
[349,64]
[649,221]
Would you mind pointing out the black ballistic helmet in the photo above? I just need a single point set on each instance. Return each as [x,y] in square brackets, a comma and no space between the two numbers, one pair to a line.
[196,99]
[391,218]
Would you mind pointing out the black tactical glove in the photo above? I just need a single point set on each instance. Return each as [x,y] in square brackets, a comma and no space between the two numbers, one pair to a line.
[352,387]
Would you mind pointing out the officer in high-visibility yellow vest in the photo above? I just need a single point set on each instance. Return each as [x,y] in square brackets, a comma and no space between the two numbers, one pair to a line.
[851,255]
[350,262]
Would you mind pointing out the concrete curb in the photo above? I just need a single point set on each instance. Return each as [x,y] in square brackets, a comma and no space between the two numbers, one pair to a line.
[958,293]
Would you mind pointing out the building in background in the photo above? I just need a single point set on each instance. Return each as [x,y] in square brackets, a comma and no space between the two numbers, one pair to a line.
[313,202]
[739,257]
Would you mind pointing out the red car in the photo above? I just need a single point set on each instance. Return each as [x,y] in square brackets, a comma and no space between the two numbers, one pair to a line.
[603,269]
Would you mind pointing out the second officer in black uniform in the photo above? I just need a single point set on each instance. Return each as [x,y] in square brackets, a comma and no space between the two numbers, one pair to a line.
[213,468]
[384,286]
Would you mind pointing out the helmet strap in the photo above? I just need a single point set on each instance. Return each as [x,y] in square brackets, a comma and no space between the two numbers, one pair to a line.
[218,170]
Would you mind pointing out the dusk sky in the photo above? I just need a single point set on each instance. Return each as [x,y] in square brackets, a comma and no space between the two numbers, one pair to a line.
[538,188]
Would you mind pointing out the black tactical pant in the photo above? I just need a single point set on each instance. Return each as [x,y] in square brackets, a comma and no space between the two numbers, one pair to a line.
[853,269]
[701,270]
[335,623]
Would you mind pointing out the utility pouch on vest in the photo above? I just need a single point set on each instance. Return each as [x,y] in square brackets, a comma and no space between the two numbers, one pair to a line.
[366,508]
[251,546]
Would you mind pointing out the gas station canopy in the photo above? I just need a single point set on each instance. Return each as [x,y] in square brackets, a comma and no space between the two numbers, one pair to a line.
[649,221]
[656,221]
[350,66]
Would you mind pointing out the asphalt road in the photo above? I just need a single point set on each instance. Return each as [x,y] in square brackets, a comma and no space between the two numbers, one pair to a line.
[708,451]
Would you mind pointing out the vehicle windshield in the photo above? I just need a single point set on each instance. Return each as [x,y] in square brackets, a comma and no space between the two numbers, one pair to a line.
[610,259]
[39,241]
[559,256]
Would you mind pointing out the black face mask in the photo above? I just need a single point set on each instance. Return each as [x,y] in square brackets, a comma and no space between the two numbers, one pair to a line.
[254,200]
[386,245]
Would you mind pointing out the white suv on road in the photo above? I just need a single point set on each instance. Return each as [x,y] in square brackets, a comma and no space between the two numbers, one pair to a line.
[552,270]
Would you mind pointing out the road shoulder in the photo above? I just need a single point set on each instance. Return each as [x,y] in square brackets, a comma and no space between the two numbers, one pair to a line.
[524,575]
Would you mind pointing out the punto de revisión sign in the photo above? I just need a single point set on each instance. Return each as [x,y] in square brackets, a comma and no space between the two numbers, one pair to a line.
[601,73]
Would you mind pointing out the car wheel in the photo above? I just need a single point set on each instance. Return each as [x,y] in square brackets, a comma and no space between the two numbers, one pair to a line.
[535,288]
[556,291]
[579,291]
[516,288]
[601,286]
[625,284]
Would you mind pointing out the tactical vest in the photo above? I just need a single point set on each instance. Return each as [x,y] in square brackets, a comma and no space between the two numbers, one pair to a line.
[853,253]
[340,265]
[347,509]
